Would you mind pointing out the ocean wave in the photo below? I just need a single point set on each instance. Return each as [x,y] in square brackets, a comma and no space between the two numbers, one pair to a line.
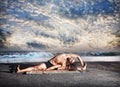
[21,57]
[27,55]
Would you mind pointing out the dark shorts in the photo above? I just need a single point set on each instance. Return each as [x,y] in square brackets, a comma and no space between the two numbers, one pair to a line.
[48,64]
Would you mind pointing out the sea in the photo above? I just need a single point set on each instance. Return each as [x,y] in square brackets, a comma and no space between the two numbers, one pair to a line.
[25,56]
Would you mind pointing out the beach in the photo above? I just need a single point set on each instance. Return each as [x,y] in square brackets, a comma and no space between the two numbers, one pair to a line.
[98,74]
[35,31]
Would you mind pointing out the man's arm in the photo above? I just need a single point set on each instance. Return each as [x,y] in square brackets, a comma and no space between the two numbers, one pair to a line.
[80,60]
[63,66]
[78,57]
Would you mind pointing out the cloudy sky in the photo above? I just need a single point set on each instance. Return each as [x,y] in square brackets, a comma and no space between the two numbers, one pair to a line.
[74,25]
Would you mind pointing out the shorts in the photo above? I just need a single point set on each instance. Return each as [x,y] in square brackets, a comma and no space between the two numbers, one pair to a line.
[48,64]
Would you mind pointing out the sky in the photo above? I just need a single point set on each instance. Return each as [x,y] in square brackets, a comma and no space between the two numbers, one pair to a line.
[60,25]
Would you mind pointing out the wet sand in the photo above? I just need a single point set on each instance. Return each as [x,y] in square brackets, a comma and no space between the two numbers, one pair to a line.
[98,74]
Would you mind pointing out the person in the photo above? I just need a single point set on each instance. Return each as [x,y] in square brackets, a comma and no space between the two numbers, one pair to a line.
[59,62]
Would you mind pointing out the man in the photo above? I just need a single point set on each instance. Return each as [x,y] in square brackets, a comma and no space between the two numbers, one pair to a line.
[62,59]
[58,62]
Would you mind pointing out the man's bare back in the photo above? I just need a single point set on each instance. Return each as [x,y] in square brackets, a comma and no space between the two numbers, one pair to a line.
[61,59]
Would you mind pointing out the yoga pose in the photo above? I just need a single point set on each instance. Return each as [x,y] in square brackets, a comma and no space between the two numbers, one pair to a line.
[61,61]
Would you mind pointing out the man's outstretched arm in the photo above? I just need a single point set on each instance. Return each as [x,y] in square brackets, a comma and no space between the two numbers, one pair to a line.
[80,60]
[78,57]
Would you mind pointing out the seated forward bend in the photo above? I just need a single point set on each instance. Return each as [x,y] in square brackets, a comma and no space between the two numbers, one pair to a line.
[58,62]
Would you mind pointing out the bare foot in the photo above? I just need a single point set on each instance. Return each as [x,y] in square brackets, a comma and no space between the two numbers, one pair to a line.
[18,69]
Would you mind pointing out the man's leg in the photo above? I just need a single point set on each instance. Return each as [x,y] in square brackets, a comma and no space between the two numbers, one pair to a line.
[25,70]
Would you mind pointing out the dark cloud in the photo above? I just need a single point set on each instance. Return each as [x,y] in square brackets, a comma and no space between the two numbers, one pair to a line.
[3,35]
[36,45]
[75,10]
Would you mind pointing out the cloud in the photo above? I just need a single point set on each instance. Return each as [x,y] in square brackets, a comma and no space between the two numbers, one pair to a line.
[59,23]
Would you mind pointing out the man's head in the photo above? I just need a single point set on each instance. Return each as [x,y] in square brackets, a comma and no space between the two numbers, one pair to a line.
[76,67]
[71,60]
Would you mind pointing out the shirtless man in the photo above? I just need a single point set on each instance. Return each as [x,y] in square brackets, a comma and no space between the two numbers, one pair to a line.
[58,62]
[62,59]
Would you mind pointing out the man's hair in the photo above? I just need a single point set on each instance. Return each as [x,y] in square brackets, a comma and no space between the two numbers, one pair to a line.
[71,67]
[74,66]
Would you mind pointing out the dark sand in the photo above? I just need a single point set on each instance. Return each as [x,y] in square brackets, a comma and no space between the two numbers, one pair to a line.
[98,74]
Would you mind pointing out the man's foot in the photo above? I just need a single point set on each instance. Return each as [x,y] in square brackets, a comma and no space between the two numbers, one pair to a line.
[18,69]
